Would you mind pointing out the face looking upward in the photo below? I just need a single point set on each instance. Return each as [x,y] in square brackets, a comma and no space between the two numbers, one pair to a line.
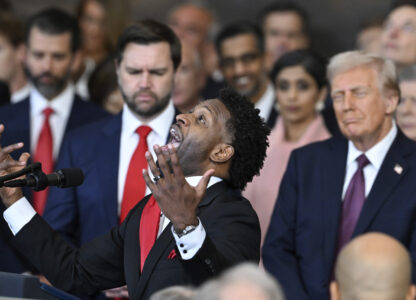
[145,76]
[200,137]
[48,61]
[363,112]
[297,94]
[399,36]
[242,64]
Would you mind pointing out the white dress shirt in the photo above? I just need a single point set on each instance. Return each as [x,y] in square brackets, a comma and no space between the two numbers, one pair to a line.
[21,94]
[375,155]
[266,102]
[21,212]
[129,140]
[61,106]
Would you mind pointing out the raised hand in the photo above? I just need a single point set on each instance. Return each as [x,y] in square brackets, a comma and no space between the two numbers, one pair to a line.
[176,198]
[9,165]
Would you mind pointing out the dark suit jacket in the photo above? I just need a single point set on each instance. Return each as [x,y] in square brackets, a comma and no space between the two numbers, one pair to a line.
[89,210]
[16,118]
[300,245]
[233,235]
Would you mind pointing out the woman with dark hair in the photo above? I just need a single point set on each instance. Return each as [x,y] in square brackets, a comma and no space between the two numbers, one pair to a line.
[300,85]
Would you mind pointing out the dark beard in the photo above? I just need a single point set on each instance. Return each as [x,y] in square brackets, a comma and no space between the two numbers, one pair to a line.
[159,106]
[49,90]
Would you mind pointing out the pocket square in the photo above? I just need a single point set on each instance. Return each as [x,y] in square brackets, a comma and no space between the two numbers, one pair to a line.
[172,254]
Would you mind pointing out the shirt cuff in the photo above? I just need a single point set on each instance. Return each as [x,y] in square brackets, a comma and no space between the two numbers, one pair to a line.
[190,243]
[18,215]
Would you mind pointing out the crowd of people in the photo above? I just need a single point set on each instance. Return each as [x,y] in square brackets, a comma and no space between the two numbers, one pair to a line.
[220,162]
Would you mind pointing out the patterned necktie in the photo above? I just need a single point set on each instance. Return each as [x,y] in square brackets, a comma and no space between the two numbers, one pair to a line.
[44,154]
[149,227]
[353,203]
[135,186]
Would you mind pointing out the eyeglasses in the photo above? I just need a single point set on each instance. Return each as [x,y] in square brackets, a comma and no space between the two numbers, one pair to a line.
[245,59]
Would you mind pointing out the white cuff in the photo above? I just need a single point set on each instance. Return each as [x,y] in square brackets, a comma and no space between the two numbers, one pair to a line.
[190,243]
[19,214]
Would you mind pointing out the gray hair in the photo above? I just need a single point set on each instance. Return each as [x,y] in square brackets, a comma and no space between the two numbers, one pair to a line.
[174,293]
[345,61]
[248,273]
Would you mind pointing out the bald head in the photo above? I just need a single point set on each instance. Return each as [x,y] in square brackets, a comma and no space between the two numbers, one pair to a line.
[372,266]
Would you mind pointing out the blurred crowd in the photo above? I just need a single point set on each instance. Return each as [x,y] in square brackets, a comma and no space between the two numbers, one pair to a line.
[70,90]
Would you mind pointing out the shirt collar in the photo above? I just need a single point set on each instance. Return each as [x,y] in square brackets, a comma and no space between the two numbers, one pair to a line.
[376,153]
[159,125]
[61,104]
[194,180]
[266,102]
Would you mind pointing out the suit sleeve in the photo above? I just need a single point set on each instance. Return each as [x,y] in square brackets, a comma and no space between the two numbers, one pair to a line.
[279,250]
[96,266]
[61,210]
[232,236]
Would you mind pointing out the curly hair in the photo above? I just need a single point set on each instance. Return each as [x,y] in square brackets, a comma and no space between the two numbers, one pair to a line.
[249,138]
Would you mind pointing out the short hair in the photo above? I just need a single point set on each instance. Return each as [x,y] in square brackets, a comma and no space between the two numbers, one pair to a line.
[407,74]
[345,61]
[148,32]
[311,62]
[283,7]
[12,29]
[55,21]
[249,138]
[103,81]
[174,293]
[240,28]
[245,272]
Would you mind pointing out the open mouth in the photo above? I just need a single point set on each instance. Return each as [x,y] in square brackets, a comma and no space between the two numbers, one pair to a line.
[175,136]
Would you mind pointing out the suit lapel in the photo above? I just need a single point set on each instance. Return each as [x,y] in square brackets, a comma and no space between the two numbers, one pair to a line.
[107,165]
[333,180]
[385,183]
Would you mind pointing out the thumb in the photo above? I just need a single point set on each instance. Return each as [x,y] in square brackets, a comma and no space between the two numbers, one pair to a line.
[24,157]
[203,183]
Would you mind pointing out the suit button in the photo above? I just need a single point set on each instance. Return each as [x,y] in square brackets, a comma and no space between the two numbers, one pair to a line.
[185,251]
[181,245]
[207,261]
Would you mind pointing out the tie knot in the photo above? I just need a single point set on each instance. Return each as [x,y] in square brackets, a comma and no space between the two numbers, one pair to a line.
[47,112]
[362,161]
[143,131]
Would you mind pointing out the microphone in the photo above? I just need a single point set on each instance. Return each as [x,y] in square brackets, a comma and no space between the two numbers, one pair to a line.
[39,181]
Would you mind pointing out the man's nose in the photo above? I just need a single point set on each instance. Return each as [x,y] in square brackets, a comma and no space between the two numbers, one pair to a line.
[183,120]
[144,80]
[46,64]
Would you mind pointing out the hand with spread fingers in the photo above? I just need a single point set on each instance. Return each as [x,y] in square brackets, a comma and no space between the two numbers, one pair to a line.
[176,198]
[9,165]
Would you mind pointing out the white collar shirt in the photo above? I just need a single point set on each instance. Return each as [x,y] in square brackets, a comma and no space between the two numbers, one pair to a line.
[266,102]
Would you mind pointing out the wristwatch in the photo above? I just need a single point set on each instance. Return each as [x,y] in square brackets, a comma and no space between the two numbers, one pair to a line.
[186,230]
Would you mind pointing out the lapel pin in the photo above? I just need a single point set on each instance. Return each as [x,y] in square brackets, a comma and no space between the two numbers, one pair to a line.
[398,169]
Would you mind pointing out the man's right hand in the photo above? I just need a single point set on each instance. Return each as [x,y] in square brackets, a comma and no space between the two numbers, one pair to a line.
[9,165]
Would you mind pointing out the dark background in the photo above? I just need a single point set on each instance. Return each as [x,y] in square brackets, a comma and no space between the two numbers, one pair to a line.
[334,22]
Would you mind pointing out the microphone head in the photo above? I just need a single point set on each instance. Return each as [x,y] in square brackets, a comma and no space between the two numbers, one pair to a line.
[71,177]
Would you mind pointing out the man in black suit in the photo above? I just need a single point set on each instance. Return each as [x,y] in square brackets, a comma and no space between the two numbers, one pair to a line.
[202,230]
[337,189]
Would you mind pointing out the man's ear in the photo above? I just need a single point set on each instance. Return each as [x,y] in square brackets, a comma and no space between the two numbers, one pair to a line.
[222,153]
[334,291]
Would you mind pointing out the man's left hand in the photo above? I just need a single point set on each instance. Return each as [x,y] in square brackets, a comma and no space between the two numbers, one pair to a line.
[176,198]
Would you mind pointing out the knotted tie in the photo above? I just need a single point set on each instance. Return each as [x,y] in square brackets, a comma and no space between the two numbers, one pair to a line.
[353,203]
[135,186]
[44,155]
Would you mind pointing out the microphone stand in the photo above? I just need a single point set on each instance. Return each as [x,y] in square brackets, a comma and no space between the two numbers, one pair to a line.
[32,168]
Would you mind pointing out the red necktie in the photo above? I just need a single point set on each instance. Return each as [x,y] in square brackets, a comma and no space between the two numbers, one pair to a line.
[135,186]
[149,227]
[44,154]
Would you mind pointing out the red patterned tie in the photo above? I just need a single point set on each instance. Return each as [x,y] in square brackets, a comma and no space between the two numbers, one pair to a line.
[135,186]
[44,154]
[149,227]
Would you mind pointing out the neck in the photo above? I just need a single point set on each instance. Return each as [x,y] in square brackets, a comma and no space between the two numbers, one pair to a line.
[96,56]
[295,130]
[255,98]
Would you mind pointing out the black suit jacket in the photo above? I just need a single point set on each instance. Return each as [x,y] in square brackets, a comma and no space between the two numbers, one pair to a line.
[233,236]
[300,245]
[16,118]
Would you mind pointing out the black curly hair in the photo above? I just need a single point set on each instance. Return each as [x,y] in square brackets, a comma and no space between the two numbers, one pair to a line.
[249,138]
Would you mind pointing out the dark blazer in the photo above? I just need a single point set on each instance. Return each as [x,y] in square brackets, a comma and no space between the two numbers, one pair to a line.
[233,236]
[300,245]
[16,118]
[89,210]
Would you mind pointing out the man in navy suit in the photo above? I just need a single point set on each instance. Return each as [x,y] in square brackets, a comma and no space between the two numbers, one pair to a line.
[316,214]
[52,39]
[148,56]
